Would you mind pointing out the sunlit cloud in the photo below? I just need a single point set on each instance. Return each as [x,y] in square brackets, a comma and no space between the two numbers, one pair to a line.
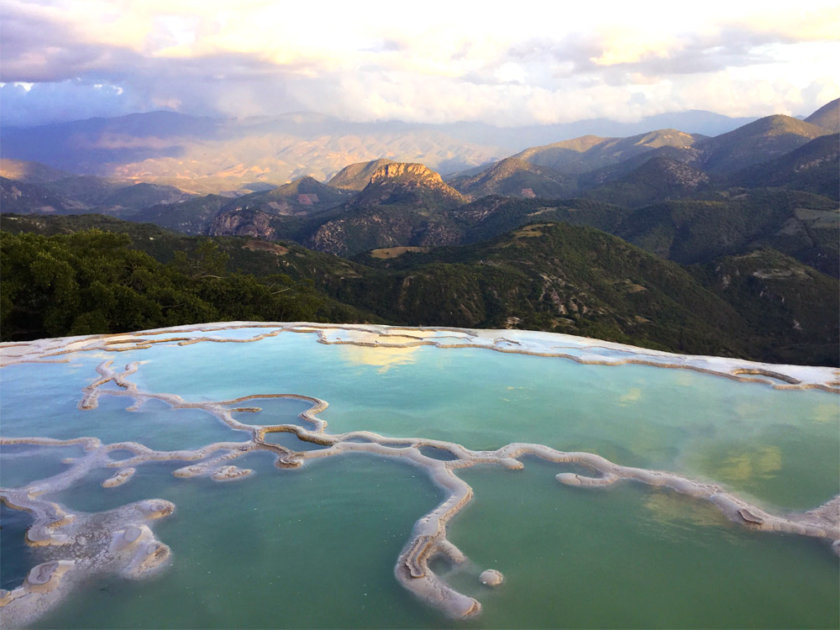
[449,61]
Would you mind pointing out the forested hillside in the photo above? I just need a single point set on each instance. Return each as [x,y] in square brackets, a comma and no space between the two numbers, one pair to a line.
[68,277]
[95,282]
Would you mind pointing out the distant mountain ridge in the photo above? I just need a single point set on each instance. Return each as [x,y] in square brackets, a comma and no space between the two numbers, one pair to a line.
[591,152]
[207,155]
[813,167]
[47,190]
[640,188]
[30,172]
[756,142]
[514,177]
[656,179]
[590,162]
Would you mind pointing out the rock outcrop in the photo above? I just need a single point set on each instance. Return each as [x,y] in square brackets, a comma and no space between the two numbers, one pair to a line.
[408,184]
[243,222]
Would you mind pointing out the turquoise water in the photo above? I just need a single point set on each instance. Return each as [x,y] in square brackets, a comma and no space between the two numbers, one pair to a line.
[756,439]
[27,410]
[15,555]
[316,546]
[22,464]
[306,548]
[632,557]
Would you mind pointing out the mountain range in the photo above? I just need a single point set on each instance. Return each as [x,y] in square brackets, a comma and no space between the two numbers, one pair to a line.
[209,155]
[727,244]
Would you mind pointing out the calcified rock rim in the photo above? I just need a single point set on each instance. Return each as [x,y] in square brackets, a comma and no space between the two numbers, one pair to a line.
[76,545]
[584,350]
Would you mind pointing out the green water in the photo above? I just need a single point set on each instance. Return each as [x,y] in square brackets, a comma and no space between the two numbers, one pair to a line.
[303,548]
[154,423]
[632,557]
[781,447]
[316,546]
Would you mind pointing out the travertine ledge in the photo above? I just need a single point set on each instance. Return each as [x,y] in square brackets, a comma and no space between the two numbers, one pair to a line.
[583,350]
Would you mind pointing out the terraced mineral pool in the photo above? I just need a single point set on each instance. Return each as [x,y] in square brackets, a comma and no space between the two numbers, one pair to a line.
[282,521]
[282,549]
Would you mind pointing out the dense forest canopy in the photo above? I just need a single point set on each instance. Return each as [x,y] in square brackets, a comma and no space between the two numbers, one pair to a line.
[62,276]
[95,282]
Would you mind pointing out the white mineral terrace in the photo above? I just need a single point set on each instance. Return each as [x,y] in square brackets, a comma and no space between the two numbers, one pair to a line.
[74,546]
[583,350]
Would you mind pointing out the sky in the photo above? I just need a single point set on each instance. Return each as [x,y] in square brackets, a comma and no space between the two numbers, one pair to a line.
[507,64]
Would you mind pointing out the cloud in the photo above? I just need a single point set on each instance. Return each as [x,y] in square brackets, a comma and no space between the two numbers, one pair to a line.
[450,61]
[63,100]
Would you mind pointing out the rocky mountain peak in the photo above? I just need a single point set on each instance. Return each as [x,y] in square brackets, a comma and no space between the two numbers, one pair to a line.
[406,171]
[666,138]
[407,183]
[356,176]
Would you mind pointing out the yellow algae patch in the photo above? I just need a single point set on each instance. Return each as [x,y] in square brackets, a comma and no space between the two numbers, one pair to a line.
[685,379]
[761,462]
[634,394]
[383,357]
[668,507]
[826,413]
[748,409]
